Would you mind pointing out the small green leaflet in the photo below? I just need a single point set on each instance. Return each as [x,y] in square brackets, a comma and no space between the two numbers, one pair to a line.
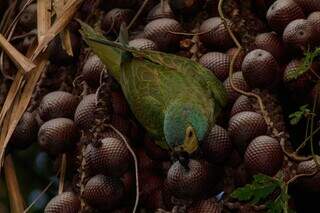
[305,66]
[296,117]
[258,191]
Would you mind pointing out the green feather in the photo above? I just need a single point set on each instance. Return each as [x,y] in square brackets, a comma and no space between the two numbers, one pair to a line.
[165,92]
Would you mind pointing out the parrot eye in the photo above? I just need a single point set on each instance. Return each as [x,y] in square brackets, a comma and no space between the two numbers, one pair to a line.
[190,134]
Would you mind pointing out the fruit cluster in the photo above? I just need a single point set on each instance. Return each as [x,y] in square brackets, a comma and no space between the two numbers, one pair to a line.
[76,104]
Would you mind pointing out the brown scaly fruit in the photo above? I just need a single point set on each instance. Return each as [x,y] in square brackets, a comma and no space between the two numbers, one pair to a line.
[245,126]
[111,158]
[311,183]
[159,30]
[66,202]
[282,12]
[299,33]
[214,33]
[264,155]
[303,83]
[314,19]
[143,44]
[238,62]
[160,12]
[25,133]
[205,206]
[58,135]
[239,82]
[28,18]
[91,71]
[84,114]
[217,146]
[218,63]
[309,5]
[243,103]
[114,18]
[189,181]
[57,104]
[272,43]
[104,193]
[259,69]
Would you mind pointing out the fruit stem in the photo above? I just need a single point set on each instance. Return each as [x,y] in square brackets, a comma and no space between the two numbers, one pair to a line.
[137,14]
[135,165]
[63,168]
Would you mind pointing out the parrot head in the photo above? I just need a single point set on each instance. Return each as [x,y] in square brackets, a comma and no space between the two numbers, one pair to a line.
[184,127]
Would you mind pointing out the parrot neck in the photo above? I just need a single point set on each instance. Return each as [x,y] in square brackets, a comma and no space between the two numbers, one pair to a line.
[178,117]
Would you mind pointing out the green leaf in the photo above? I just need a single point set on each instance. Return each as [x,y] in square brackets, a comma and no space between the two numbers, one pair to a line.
[259,190]
[306,64]
[261,187]
[296,117]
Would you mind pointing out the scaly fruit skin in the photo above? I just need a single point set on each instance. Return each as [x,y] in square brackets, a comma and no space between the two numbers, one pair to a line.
[218,63]
[57,104]
[282,12]
[217,146]
[191,182]
[245,126]
[215,34]
[259,69]
[160,12]
[243,103]
[314,19]
[239,82]
[91,71]
[299,33]
[238,62]
[103,192]
[58,135]
[160,88]
[143,44]
[111,158]
[84,114]
[66,202]
[311,183]
[205,206]
[114,18]
[272,43]
[309,5]
[158,31]
[264,155]
[25,133]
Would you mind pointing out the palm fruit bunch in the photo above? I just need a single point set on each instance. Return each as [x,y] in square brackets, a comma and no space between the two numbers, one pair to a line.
[85,129]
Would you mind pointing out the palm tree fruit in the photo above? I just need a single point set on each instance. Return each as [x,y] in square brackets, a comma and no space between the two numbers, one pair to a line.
[160,11]
[111,158]
[264,155]
[259,69]
[282,12]
[25,133]
[271,43]
[57,104]
[85,112]
[218,63]
[311,183]
[114,18]
[238,62]
[104,193]
[245,126]
[217,146]
[91,71]
[58,135]
[239,82]
[66,202]
[143,44]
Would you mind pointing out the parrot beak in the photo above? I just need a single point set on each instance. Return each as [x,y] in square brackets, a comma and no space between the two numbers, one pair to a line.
[190,144]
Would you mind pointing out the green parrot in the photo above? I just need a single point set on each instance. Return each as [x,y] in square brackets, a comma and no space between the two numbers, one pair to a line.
[175,99]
